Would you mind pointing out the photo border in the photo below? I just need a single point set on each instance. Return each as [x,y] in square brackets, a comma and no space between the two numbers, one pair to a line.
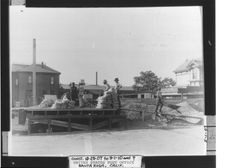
[208,7]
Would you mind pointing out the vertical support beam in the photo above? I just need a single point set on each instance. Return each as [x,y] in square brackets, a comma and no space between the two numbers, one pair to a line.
[49,126]
[90,123]
[29,126]
[69,124]
[143,115]
[110,123]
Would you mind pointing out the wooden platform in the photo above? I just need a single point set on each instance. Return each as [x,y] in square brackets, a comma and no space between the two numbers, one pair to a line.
[73,119]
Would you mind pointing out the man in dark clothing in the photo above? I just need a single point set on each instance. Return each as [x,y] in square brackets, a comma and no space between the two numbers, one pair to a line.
[159,102]
[73,93]
[81,92]
[118,86]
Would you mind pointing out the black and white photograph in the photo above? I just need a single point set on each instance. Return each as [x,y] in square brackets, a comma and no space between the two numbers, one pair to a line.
[107,81]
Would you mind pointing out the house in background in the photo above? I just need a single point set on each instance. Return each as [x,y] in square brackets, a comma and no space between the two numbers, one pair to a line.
[190,73]
[47,82]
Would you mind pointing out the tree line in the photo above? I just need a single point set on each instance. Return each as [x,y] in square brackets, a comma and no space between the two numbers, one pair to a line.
[148,81]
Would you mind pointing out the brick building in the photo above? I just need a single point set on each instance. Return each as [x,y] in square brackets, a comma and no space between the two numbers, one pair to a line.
[47,82]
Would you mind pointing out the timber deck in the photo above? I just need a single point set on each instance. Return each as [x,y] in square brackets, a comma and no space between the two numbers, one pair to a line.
[83,119]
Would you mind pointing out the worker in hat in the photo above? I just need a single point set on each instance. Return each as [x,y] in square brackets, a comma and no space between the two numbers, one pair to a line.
[73,92]
[118,86]
[81,93]
[159,102]
[107,86]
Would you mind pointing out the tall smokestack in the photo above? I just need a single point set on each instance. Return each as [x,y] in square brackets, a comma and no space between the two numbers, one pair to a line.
[96,78]
[34,51]
[34,73]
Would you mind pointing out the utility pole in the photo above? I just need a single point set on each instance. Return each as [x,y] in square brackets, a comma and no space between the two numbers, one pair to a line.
[96,78]
[34,73]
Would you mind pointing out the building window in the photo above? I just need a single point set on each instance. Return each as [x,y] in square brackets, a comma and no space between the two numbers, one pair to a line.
[29,79]
[16,82]
[52,80]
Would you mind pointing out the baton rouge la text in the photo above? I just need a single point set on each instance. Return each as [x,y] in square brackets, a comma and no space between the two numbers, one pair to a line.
[101,164]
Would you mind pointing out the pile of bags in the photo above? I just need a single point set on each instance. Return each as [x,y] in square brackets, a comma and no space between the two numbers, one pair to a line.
[108,100]
[65,103]
[46,103]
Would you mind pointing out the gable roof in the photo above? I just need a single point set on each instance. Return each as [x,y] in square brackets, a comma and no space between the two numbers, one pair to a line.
[188,65]
[29,68]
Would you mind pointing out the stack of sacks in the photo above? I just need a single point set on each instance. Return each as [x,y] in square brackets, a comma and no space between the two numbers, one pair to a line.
[105,101]
[65,103]
[46,103]
[108,100]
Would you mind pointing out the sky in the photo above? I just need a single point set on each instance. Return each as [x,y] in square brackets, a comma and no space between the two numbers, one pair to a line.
[115,42]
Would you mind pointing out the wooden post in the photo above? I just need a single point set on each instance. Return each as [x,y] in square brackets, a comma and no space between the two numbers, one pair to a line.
[29,126]
[49,126]
[90,123]
[143,114]
[110,123]
[69,124]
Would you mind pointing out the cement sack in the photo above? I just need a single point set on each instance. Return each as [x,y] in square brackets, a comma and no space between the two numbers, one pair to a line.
[46,103]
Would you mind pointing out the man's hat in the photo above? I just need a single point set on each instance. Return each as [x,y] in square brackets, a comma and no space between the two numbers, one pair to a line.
[116,79]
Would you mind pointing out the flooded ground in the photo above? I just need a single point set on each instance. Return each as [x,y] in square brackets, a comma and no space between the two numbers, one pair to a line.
[178,141]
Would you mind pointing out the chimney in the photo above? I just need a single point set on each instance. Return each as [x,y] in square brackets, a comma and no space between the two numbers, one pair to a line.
[34,51]
[96,78]
[34,73]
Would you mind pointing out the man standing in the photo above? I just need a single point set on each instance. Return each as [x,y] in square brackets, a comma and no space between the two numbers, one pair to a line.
[81,93]
[159,102]
[118,86]
[73,93]
[107,86]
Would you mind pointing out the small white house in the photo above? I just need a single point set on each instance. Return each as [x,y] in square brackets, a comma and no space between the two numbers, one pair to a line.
[190,73]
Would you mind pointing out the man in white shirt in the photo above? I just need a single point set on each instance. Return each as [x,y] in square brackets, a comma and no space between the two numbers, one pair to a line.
[107,86]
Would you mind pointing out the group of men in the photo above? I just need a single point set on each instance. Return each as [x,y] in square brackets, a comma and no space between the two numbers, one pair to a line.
[118,86]
[79,95]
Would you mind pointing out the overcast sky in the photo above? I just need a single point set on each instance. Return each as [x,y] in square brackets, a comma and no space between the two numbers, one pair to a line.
[116,42]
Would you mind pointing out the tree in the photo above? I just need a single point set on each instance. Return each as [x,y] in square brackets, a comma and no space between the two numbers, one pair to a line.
[147,81]
[166,82]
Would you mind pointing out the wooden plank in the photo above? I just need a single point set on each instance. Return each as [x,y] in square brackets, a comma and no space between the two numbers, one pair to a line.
[73,116]
[71,110]
[100,124]
[69,124]
[65,124]
[105,123]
